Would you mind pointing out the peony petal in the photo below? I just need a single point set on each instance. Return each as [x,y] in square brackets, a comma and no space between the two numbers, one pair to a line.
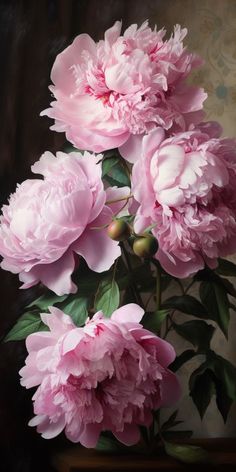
[130,435]
[96,247]
[62,74]
[57,275]
[90,435]
[165,352]
[180,269]
[57,320]
[52,429]
[119,208]
[128,313]
[36,420]
[132,148]
[170,389]
[84,138]
[152,141]
[112,34]
[71,340]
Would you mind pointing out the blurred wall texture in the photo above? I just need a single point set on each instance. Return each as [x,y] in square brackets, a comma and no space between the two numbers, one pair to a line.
[32,33]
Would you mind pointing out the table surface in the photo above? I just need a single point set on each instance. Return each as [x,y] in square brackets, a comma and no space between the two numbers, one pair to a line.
[222,455]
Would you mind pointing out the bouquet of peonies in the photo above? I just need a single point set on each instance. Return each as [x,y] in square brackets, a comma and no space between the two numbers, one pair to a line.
[144,200]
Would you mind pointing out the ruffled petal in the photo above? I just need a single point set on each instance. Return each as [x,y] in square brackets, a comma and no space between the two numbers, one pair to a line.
[96,247]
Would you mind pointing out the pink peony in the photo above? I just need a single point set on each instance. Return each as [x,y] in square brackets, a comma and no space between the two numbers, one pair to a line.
[185,186]
[109,375]
[48,221]
[122,86]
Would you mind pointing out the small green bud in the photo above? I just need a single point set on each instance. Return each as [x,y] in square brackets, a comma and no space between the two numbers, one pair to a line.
[119,230]
[145,246]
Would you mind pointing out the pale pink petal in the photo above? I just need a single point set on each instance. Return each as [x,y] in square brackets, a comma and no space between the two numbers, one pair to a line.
[63,72]
[119,208]
[97,142]
[52,429]
[189,99]
[57,321]
[180,269]
[97,248]
[128,313]
[141,223]
[152,141]
[112,34]
[132,148]
[71,340]
[57,276]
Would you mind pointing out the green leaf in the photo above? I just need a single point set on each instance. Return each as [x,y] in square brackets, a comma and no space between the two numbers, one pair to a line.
[153,321]
[226,268]
[77,308]
[107,297]
[228,286]
[232,306]
[108,445]
[67,148]
[47,299]
[214,298]
[118,174]
[166,280]
[182,359]
[216,375]
[201,386]
[197,332]
[226,372]
[187,304]
[186,453]
[225,384]
[210,276]
[108,163]
[27,324]
[142,277]
[169,423]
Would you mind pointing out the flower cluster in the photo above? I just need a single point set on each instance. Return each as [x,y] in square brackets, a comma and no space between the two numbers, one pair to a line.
[109,375]
[129,92]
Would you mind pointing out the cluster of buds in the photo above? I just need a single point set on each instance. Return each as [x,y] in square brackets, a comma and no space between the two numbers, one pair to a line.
[144,245]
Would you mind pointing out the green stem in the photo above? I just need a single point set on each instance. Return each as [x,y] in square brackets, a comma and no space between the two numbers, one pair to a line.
[157,418]
[133,286]
[109,202]
[180,286]
[189,286]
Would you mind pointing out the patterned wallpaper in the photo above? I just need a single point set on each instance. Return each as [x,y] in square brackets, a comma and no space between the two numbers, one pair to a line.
[212,33]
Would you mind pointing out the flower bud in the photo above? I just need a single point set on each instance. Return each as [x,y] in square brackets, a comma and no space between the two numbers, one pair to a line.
[118,230]
[145,246]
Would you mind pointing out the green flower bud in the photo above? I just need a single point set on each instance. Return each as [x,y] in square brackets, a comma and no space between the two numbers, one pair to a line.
[118,230]
[145,246]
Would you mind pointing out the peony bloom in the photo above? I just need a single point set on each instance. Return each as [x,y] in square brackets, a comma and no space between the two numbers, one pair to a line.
[48,221]
[123,87]
[185,186]
[107,376]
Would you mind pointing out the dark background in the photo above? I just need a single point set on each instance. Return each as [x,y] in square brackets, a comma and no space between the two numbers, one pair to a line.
[32,33]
